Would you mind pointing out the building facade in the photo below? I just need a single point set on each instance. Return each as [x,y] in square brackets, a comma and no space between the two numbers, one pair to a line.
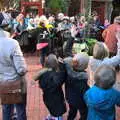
[32,5]
[102,7]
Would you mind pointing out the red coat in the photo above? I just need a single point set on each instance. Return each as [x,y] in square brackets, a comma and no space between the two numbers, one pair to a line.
[109,36]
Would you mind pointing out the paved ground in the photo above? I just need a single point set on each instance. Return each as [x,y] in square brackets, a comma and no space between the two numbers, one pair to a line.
[35,106]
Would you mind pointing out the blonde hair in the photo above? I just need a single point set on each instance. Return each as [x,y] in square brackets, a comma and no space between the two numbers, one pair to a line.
[100,51]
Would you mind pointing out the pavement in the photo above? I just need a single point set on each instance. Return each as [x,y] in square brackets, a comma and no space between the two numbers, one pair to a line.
[36,109]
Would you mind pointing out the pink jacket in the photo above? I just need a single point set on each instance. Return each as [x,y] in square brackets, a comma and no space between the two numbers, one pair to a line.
[109,36]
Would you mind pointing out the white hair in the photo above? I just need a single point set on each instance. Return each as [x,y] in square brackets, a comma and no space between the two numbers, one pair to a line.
[43,19]
[82,59]
[60,16]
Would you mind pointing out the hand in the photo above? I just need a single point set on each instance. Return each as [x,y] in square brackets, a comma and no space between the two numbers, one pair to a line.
[60,60]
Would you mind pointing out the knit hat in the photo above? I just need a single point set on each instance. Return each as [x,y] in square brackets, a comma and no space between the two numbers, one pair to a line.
[82,60]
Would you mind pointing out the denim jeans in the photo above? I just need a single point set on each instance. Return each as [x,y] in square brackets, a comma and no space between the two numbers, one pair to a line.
[7,110]
[43,54]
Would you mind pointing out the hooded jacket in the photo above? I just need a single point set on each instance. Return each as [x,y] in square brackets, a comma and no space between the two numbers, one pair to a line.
[101,103]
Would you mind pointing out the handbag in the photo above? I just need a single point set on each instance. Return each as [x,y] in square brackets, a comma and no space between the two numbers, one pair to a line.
[42,41]
[40,46]
[11,92]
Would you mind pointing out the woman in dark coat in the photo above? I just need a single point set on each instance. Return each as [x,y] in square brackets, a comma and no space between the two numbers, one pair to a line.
[76,85]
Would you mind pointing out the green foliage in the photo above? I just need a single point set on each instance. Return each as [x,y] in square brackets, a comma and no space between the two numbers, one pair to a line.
[88,9]
[56,5]
[90,43]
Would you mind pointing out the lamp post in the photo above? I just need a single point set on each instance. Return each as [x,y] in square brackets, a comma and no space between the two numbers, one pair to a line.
[43,6]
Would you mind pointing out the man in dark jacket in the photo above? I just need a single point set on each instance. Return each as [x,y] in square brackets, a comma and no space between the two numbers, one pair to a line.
[76,86]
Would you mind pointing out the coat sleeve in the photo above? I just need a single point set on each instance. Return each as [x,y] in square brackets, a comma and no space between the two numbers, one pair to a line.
[104,34]
[118,42]
[73,75]
[40,73]
[18,60]
[114,61]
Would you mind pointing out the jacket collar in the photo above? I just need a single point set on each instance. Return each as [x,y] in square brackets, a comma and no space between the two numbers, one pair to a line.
[4,33]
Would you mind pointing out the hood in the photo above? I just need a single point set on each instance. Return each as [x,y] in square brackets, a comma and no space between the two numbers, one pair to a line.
[99,99]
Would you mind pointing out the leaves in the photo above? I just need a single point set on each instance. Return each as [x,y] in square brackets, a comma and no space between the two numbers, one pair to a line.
[56,6]
[9,4]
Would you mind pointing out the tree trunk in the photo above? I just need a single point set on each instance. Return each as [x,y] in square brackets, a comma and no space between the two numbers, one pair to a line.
[9,3]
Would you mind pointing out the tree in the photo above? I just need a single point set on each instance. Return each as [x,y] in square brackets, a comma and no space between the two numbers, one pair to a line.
[9,4]
[116,9]
[56,6]
[74,7]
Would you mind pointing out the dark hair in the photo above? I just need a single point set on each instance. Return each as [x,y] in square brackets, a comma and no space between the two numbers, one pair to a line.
[105,77]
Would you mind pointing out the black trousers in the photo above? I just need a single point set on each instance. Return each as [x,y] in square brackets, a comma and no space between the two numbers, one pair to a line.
[82,108]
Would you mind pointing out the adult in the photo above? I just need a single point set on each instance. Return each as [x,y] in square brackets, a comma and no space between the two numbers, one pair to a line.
[12,67]
[109,36]
[101,57]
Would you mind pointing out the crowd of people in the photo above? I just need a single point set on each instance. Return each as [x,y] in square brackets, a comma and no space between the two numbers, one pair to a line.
[88,80]
[31,30]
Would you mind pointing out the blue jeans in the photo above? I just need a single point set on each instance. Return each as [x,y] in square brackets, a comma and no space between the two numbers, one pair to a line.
[7,110]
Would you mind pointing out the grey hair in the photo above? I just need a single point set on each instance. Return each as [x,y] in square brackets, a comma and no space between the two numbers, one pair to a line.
[117,19]
[105,76]
[51,61]
[100,50]
[82,60]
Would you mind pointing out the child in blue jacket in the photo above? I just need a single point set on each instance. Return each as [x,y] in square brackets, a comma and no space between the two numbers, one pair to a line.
[101,99]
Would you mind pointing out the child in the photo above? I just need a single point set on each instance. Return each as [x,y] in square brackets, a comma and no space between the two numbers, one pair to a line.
[76,85]
[51,80]
[102,98]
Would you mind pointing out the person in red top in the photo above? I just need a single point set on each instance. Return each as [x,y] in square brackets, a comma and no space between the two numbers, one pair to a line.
[109,36]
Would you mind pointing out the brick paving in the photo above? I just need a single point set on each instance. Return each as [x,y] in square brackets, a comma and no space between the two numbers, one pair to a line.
[35,106]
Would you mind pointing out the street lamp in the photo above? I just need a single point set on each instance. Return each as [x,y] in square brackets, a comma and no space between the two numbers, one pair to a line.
[43,4]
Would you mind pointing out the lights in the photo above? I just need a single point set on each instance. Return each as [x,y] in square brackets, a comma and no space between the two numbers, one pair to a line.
[43,4]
